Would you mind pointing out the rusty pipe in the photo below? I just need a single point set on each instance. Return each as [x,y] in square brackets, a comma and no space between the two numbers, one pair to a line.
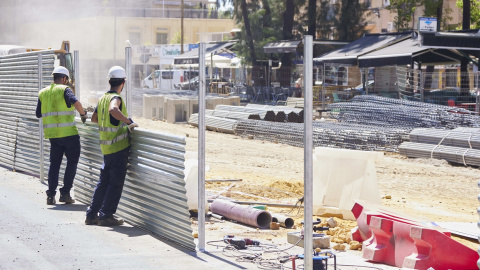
[244,214]
[284,221]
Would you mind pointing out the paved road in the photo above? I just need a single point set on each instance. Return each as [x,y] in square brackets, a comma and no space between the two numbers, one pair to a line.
[36,236]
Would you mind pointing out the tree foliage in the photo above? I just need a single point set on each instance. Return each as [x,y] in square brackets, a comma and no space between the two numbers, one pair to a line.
[351,23]
[404,10]
[265,21]
[474,13]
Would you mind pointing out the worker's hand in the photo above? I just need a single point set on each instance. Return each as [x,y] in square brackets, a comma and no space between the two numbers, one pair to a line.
[132,125]
[83,117]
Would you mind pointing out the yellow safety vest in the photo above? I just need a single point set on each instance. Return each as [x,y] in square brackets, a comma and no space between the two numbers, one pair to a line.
[112,138]
[58,119]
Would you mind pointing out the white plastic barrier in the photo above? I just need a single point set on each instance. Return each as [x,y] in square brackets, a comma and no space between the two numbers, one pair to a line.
[342,176]
[191,180]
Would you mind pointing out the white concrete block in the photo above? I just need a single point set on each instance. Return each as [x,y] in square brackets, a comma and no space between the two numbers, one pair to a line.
[319,240]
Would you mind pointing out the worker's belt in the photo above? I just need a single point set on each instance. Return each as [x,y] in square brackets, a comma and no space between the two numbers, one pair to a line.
[110,129]
[116,139]
[58,113]
[59,125]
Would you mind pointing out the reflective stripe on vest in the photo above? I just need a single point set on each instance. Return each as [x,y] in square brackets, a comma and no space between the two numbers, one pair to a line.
[58,119]
[58,113]
[113,138]
[116,139]
[109,129]
[58,125]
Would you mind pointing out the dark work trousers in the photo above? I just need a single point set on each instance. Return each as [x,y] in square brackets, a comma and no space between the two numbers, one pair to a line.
[70,146]
[109,188]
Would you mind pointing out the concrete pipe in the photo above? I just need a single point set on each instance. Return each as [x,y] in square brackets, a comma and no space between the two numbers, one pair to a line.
[241,213]
[283,220]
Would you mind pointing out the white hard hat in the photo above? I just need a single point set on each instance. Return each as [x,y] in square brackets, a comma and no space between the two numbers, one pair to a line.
[61,70]
[117,72]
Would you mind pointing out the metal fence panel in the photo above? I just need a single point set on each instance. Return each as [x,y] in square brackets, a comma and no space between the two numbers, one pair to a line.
[154,195]
[18,99]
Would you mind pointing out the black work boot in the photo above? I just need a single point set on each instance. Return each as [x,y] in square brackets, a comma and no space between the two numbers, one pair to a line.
[91,221]
[50,200]
[66,198]
[111,221]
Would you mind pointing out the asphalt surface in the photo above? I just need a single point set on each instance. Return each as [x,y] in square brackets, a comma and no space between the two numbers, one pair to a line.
[34,235]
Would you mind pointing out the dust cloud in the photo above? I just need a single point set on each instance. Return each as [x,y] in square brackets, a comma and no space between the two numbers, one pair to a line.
[89,25]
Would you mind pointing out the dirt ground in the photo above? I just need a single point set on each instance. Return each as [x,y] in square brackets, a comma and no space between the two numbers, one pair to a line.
[431,190]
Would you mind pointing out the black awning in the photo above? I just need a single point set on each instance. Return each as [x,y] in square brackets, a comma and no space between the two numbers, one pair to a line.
[460,41]
[191,57]
[406,51]
[284,46]
[350,52]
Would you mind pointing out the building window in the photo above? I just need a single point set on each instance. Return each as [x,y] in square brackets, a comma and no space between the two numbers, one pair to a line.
[134,38]
[162,38]
[384,30]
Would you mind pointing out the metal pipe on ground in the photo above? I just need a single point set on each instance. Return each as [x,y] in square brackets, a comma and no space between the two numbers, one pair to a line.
[284,221]
[241,213]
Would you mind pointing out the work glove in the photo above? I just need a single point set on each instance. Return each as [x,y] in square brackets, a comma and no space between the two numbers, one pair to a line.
[132,126]
[84,118]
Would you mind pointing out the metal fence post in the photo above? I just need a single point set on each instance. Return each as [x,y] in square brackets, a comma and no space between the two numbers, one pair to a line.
[40,122]
[128,70]
[76,63]
[422,81]
[477,100]
[308,152]
[201,147]
[324,94]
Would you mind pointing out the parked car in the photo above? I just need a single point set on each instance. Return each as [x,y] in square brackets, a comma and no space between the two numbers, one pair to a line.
[369,85]
[164,79]
[441,96]
[191,84]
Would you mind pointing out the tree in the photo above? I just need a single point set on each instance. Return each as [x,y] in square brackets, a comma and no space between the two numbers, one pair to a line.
[248,30]
[288,18]
[404,10]
[327,18]
[312,18]
[472,10]
[177,38]
[350,23]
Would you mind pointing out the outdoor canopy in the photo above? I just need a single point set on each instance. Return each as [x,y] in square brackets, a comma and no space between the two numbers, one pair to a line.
[467,41]
[407,51]
[191,57]
[349,53]
[283,46]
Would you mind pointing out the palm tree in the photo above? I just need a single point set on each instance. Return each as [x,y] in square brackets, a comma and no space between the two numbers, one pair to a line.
[241,5]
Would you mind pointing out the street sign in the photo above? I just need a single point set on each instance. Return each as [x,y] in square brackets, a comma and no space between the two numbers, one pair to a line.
[426,24]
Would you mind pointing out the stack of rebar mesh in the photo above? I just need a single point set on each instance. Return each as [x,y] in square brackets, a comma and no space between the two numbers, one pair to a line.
[460,145]
[325,133]
[384,111]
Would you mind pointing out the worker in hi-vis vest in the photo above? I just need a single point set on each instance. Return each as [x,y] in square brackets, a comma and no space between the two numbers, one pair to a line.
[114,127]
[56,106]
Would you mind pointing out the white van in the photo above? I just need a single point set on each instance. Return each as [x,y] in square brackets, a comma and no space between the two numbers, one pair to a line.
[164,79]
